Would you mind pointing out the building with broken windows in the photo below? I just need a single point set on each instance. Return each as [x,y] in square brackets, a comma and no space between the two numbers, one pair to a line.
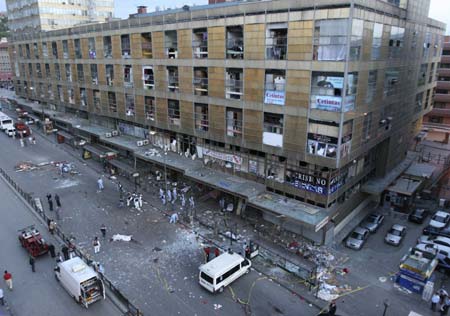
[291,106]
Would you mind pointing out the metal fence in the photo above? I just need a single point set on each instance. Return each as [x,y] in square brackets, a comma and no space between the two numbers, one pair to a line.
[131,309]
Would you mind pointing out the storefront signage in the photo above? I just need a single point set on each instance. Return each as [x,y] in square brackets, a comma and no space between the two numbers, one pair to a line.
[336,82]
[222,156]
[328,103]
[310,183]
[274,97]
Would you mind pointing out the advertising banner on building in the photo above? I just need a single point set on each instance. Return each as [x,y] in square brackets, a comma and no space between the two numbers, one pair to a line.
[222,156]
[274,97]
[328,103]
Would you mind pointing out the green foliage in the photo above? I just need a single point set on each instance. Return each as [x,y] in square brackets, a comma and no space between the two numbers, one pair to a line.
[4,26]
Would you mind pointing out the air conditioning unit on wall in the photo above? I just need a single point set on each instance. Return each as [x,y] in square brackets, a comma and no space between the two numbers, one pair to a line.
[108,135]
[146,142]
[140,143]
[115,133]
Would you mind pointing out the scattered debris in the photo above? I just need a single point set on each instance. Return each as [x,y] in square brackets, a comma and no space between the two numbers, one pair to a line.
[119,237]
[217,306]
[25,166]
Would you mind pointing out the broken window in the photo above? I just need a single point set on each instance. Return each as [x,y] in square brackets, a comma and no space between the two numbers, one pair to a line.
[234,122]
[149,108]
[146,45]
[38,70]
[173,110]
[171,44]
[200,81]
[112,102]
[71,96]
[234,83]
[235,42]
[94,74]
[126,46]
[148,77]
[129,104]
[91,47]
[200,43]
[77,46]
[201,117]
[275,86]
[65,45]
[107,47]
[128,76]
[276,41]
[172,78]
[68,69]
[44,49]
[273,129]
[80,73]
[97,100]
[109,72]
[83,97]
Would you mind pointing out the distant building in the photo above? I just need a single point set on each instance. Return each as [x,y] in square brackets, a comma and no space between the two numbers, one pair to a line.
[44,15]
[5,65]
[437,122]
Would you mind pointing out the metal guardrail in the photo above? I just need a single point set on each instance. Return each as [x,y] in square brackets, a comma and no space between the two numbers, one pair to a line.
[132,310]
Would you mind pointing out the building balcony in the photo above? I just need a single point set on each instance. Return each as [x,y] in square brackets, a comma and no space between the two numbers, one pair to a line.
[445,85]
[444,72]
[442,97]
[440,112]
[445,59]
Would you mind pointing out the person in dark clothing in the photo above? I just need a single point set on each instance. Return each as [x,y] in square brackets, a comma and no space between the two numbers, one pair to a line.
[50,205]
[32,261]
[49,197]
[216,252]
[332,308]
[51,250]
[57,200]
[207,252]
[103,230]
[65,252]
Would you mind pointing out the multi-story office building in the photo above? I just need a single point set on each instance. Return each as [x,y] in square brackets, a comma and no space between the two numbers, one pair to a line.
[45,15]
[307,99]
[437,122]
[5,64]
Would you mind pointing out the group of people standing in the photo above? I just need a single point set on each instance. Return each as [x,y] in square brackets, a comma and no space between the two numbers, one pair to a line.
[58,205]
[440,302]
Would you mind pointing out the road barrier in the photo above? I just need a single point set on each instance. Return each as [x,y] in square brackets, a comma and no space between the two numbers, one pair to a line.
[131,309]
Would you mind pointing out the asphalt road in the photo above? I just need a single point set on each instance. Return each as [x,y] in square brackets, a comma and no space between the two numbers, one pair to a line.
[34,293]
[159,282]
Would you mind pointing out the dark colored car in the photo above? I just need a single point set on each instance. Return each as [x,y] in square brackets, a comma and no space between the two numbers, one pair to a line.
[430,230]
[418,215]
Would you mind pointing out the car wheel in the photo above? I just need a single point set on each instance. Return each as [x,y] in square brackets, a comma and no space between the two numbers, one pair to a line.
[221,289]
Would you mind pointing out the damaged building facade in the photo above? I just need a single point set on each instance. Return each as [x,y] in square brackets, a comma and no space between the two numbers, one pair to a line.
[306,99]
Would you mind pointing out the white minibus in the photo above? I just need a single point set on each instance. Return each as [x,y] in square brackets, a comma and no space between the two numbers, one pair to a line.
[223,270]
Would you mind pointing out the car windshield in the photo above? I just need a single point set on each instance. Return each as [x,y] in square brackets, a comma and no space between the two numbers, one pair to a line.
[439,218]
[417,213]
[395,232]
[356,235]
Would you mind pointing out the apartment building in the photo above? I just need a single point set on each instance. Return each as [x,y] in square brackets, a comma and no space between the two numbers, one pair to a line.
[437,122]
[6,75]
[46,15]
[307,100]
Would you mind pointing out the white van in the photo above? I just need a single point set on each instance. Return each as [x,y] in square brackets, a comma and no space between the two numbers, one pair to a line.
[223,270]
[6,122]
[10,131]
[80,280]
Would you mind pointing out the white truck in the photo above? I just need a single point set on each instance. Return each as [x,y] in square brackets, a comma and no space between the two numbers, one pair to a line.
[80,280]
[6,122]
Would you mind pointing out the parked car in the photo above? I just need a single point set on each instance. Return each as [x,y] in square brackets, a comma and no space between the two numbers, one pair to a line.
[373,222]
[418,215]
[10,131]
[395,235]
[429,247]
[442,256]
[357,238]
[436,231]
[440,219]
[439,240]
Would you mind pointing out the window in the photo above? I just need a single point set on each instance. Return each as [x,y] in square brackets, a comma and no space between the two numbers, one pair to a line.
[171,44]
[422,75]
[233,83]
[27,49]
[323,138]
[77,46]
[20,50]
[200,43]
[273,130]
[126,46]
[426,46]
[44,49]
[356,39]
[419,102]
[129,104]
[276,41]
[440,105]
[200,81]
[65,45]
[94,74]
[235,42]
[38,70]
[47,71]
[371,85]
[436,119]
[57,72]
[91,48]
[428,100]
[112,102]
[391,77]
[50,92]
[367,126]
[148,78]
[83,97]
[71,95]
[226,275]
[60,93]
[234,122]
[376,41]
[172,78]
[174,112]
[30,69]
[149,108]
[107,47]
[446,52]
[128,76]
[146,45]
[207,278]
[431,75]
[68,69]
[330,38]
[109,72]
[201,117]
[97,100]
[396,39]
[275,82]
[54,50]
[327,91]
[35,50]
[80,73]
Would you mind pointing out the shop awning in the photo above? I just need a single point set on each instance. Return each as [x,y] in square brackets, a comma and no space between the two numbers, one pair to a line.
[122,166]
[99,151]
[65,135]
[405,186]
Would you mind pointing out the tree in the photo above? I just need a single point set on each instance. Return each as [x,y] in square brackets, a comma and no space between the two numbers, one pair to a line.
[4,31]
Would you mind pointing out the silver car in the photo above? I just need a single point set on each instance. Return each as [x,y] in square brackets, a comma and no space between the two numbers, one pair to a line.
[357,238]
[373,222]
[395,235]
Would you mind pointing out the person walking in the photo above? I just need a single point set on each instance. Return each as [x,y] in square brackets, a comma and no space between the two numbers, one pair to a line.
[332,308]
[222,204]
[434,301]
[52,226]
[2,297]
[100,184]
[207,253]
[50,205]
[173,218]
[8,279]
[49,196]
[65,251]
[32,261]
[57,200]
[216,252]
[59,258]
[169,195]
[445,306]
[96,244]
[51,250]
[191,202]
[103,230]
[161,193]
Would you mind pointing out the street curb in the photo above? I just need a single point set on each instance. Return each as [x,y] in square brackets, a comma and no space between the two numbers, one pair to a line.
[121,307]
